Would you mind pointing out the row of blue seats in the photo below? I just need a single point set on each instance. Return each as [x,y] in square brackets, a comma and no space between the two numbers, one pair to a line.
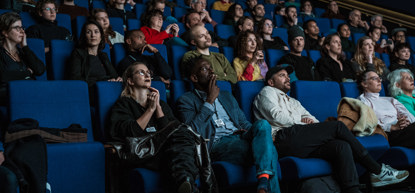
[80,167]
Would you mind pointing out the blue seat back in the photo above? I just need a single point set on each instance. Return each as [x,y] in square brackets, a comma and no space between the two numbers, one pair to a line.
[273,56]
[79,22]
[118,53]
[323,23]
[175,58]
[282,33]
[27,19]
[357,36]
[55,104]
[349,89]
[225,31]
[314,55]
[117,24]
[246,92]
[133,24]
[320,98]
[140,9]
[217,15]
[278,20]
[228,52]
[60,53]
[179,12]
[162,50]
[38,47]
[99,4]
[64,20]
[336,22]
[386,59]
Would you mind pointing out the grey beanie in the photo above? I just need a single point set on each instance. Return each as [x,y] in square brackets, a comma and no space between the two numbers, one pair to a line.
[294,32]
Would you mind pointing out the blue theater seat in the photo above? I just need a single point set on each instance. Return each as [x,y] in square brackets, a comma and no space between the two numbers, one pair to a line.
[217,15]
[133,24]
[38,47]
[336,22]
[117,24]
[72,167]
[175,58]
[349,89]
[314,55]
[60,53]
[228,52]
[357,36]
[273,56]
[225,31]
[79,22]
[64,20]
[282,33]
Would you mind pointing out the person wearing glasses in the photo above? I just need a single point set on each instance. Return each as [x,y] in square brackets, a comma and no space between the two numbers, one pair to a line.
[265,29]
[17,61]
[88,62]
[393,117]
[139,112]
[47,27]
[365,59]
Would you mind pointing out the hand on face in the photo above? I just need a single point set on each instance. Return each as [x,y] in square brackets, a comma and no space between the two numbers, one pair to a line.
[213,91]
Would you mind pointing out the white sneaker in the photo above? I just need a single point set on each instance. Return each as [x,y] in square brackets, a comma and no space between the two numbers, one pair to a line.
[387,176]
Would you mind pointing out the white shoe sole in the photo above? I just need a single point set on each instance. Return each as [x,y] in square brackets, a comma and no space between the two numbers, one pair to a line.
[385,183]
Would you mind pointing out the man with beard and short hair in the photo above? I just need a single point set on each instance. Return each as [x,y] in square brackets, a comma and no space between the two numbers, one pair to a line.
[136,44]
[355,23]
[298,133]
[290,17]
[258,14]
[201,38]
[304,66]
[216,116]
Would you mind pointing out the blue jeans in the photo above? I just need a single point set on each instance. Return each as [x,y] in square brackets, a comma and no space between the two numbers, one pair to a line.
[254,146]
[8,181]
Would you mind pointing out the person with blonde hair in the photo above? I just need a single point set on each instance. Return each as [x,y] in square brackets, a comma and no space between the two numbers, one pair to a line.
[365,59]
[139,112]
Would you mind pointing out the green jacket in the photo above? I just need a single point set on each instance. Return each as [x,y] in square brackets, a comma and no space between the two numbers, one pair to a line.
[223,69]
[408,102]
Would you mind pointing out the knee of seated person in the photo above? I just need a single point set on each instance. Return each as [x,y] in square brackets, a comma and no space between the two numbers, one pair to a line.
[262,126]
[342,146]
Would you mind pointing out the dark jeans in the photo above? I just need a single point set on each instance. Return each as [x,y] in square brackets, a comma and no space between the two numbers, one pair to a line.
[404,137]
[331,141]
[255,146]
[8,181]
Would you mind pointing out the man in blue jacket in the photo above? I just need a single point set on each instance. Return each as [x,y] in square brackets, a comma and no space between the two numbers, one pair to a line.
[216,116]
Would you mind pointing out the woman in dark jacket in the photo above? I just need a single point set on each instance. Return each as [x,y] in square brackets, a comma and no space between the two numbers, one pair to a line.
[88,62]
[332,65]
[17,61]
[140,112]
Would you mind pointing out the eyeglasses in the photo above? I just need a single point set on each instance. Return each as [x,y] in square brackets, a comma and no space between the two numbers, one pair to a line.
[375,78]
[269,25]
[144,73]
[50,9]
[18,28]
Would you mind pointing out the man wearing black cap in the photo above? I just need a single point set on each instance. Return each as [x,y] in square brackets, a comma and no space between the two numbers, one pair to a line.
[304,66]
[298,133]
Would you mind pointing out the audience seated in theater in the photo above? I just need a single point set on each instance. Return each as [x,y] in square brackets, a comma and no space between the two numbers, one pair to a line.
[377,21]
[304,66]
[383,46]
[290,17]
[398,35]
[307,9]
[298,133]
[47,27]
[23,5]
[216,116]
[249,62]
[265,29]
[333,11]
[17,61]
[234,13]
[356,24]
[401,87]
[400,58]
[333,66]
[313,40]
[88,62]
[364,58]
[151,27]
[347,44]
[116,8]
[393,117]
[139,112]
[222,5]
[244,24]
[200,38]
[258,14]
[111,37]
[250,4]
[69,7]
[136,44]
[193,19]
[200,7]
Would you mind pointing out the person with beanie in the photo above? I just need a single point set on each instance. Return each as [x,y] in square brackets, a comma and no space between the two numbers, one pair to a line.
[304,66]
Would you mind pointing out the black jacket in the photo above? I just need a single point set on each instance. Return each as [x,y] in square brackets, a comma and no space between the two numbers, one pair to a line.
[48,31]
[79,67]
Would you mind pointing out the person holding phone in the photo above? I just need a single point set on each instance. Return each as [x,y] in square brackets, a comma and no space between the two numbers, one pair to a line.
[249,63]
[136,45]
